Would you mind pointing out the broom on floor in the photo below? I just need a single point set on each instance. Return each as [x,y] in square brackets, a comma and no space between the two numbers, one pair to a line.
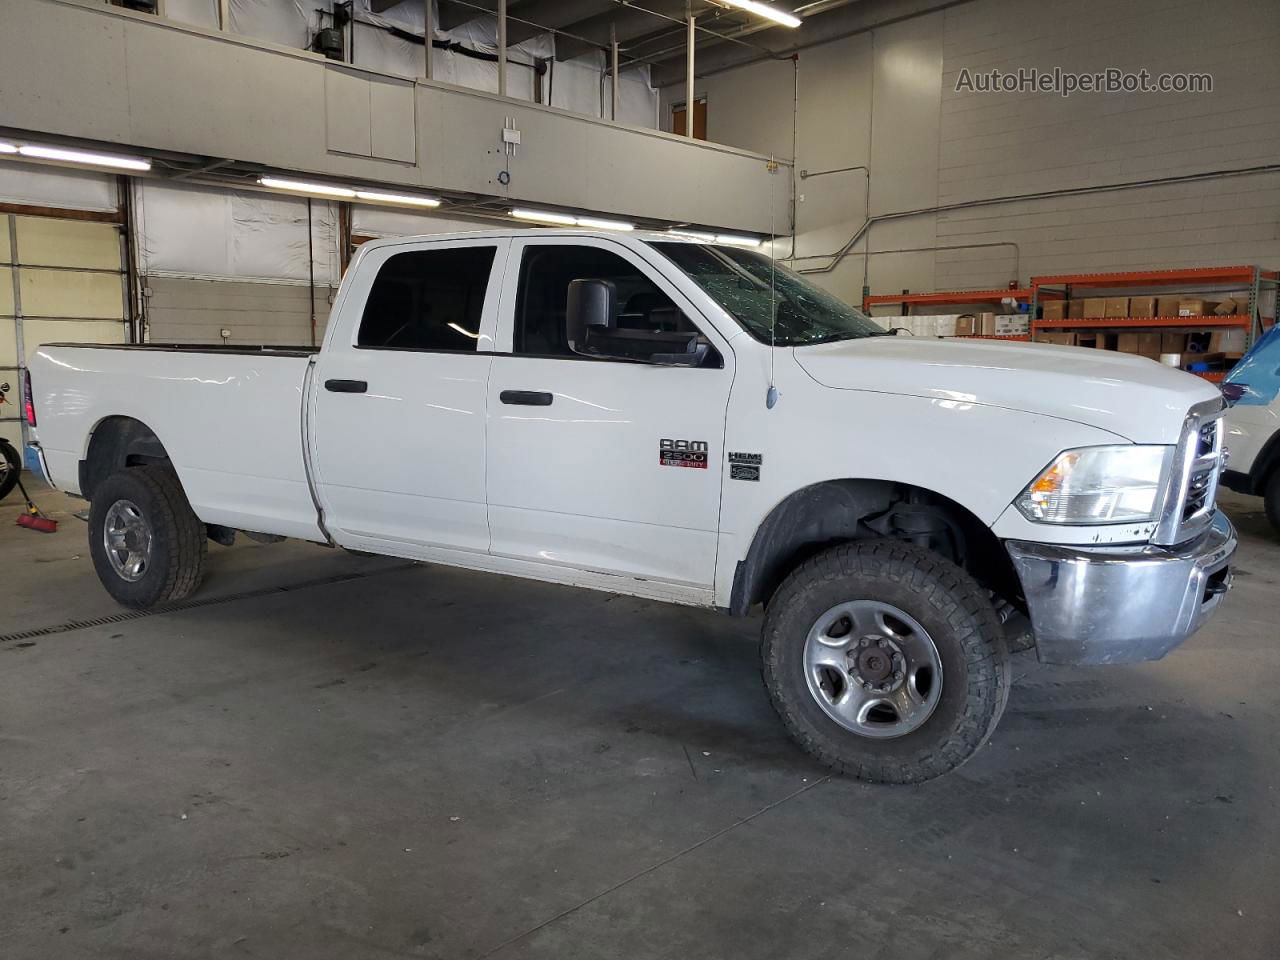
[33,518]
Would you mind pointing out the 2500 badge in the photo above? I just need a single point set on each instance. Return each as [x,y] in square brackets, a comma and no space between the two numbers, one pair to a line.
[683,453]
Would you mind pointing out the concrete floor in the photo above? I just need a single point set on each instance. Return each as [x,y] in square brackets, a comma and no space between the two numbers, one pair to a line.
[351,758]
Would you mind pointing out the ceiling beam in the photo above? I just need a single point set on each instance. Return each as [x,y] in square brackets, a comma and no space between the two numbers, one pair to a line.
[455,14]
[544,15]
[834,21]
[633,21]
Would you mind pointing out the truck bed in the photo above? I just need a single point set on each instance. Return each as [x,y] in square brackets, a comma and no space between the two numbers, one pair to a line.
[230,419]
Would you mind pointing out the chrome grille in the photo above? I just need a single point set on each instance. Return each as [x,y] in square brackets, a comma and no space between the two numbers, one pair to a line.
[1193,483]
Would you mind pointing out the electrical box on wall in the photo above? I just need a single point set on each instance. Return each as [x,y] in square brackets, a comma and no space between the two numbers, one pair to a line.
[329,42]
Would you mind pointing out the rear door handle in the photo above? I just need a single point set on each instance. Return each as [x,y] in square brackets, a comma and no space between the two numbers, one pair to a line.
[346,386]
[526,398]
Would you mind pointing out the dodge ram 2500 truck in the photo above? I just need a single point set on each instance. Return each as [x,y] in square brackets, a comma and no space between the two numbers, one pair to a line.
[688,422]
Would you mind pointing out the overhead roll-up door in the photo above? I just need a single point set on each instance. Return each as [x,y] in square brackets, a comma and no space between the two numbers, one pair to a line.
[63,281]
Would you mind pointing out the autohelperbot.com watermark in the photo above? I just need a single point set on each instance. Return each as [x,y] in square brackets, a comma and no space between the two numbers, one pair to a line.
[1065,83]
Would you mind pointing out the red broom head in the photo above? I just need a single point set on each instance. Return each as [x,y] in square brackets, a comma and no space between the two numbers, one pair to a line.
[42,524]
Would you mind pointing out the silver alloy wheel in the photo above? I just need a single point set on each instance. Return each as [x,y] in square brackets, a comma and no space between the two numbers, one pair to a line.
[126,535]
[873,669]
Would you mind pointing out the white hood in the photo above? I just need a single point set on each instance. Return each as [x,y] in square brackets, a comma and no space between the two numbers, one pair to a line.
[1136,398]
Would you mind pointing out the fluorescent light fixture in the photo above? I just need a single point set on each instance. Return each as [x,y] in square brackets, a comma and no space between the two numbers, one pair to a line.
[299,186]
[544,217]
[737,241]
[604,224]
[565,220]
[7,147]
[83,156]
[693,234]
[400,198]
[766,11]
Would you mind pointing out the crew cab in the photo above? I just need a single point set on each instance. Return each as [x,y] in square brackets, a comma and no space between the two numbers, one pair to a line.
[689,422]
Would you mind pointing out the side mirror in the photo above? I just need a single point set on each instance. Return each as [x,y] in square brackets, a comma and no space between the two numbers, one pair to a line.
[592,305]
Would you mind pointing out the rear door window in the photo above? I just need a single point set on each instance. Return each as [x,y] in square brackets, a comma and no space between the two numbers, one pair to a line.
[428,300]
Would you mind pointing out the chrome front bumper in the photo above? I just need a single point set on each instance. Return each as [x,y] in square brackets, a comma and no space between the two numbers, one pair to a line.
[1122,604]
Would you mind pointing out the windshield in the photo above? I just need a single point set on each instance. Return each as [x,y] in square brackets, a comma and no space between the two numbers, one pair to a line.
[739,280]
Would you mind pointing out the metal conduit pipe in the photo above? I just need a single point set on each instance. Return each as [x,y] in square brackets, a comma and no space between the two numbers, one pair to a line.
[837,255]
[868,254]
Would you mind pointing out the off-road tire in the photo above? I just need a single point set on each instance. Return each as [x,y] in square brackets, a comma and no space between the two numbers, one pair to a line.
[947,602]
[179,541]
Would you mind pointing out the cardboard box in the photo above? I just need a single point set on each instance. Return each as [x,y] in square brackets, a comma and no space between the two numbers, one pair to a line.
[1167,306]
[987,324]
[966,325]
[1196,308]
[1139,344]
[1054,309]
[1075,309]
[1231,306]
[1096,340]
[1062,339]
[1116,307]
[1012,325]
[1230,341]
[1142,306]
[1094,307]
[1173,343]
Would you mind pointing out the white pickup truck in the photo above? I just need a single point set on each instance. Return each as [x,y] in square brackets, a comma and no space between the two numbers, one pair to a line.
[688,422]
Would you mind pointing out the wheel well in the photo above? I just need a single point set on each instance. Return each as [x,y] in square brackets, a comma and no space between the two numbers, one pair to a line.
[117,443]
[837,511]
[1265,464]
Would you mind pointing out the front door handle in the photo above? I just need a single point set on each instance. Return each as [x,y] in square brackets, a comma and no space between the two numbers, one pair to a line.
[346,386]
[526,398]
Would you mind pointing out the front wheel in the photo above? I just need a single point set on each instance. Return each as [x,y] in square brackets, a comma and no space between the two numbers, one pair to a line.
[148,547]
[885,662]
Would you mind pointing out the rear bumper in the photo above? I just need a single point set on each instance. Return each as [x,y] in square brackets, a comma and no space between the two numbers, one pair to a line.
[1123,604]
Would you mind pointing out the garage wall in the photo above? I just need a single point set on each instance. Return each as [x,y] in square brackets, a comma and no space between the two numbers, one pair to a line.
[887,99]
[61,279]
[241,261]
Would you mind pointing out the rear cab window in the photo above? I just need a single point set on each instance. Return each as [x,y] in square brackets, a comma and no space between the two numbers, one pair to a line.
[428,300]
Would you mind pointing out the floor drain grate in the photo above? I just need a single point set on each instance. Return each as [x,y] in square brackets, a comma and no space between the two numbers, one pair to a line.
[127,615]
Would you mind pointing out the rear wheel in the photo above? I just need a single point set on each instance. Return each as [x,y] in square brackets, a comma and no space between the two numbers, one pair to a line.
[885,661]
[148,547]
[10,467]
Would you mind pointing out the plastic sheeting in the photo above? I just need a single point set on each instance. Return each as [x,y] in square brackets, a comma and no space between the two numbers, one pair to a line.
[287,22]
[51,187]
[189,231]
[1258,371]
[580,85]
[198,13]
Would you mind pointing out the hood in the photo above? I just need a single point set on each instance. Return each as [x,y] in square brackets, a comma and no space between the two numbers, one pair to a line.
[1136,398]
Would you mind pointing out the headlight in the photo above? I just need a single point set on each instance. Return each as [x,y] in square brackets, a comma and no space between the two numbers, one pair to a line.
[1097,485]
